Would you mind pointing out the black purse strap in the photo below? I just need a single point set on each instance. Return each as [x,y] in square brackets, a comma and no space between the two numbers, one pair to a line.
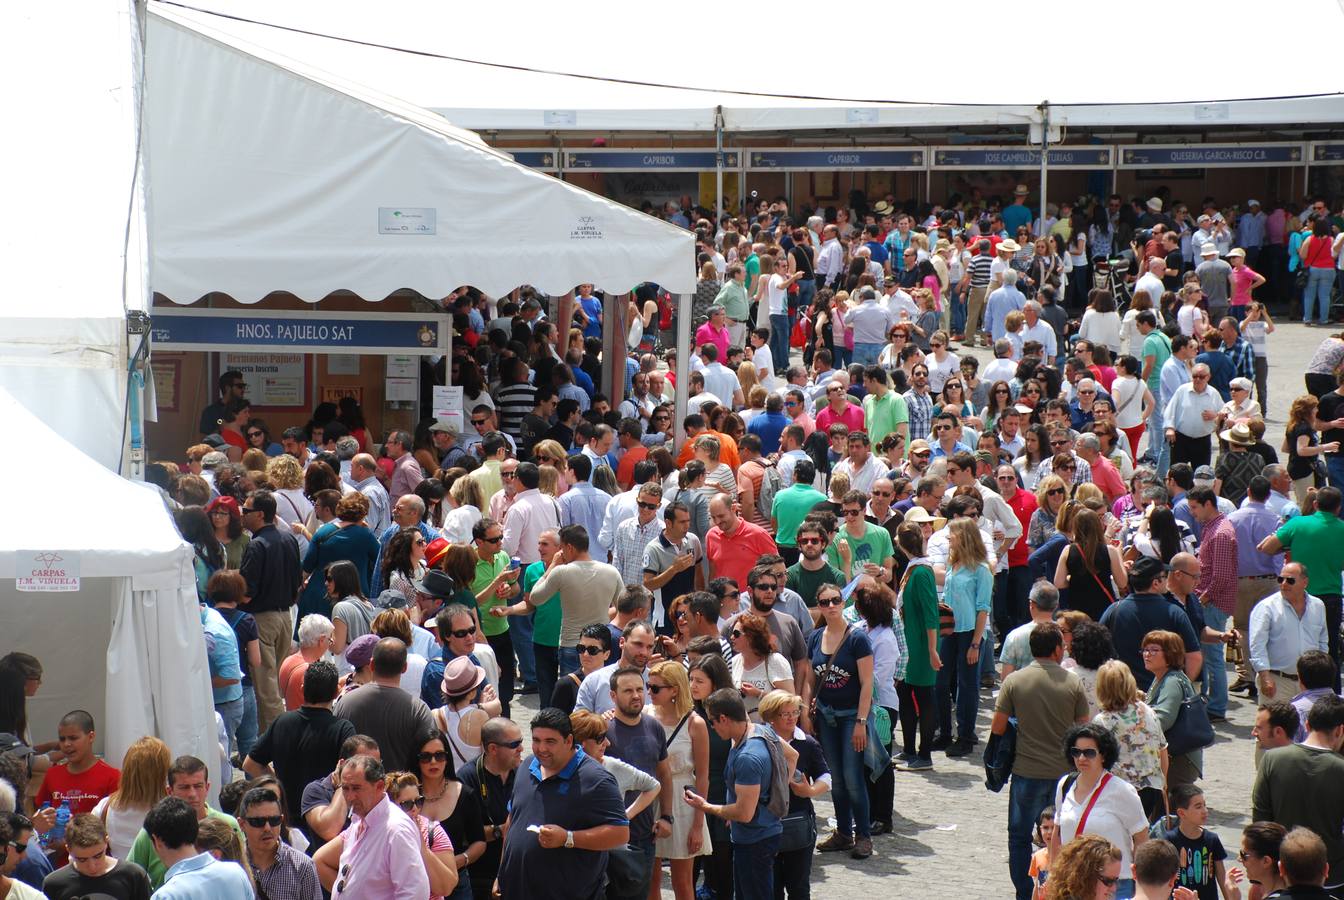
[676,731]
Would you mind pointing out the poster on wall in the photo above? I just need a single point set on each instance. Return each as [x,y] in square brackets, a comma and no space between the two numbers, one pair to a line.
[167,369]
[274,380]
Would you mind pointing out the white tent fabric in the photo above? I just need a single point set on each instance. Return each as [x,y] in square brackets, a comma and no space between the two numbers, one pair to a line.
[136,607]
[303,169]
[73,235]
[597,40]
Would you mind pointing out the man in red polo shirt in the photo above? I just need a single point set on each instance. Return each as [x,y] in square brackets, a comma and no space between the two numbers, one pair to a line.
[733,544]
[1013,586]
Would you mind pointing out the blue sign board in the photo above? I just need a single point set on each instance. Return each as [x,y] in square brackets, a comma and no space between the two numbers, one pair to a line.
[1203,156]
[648,160]
[1327,153]
[1022,158]
[534,159]
[836,158]
[190,329]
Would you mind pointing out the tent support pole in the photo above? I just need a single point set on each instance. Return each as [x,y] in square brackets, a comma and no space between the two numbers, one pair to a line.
[718,167]
[565,314]
[683,373]
[1045,157]
[614,329]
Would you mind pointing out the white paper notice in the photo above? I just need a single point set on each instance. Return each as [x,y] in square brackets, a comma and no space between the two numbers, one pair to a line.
[47,570]
[447,399]
[402,366]
[400,390]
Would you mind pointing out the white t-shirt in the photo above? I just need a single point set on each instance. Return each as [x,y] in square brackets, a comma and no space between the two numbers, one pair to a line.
[1127,392]
[763,675]
[1117,815]
[1187,316]
[777,295]
[940,372]
[415,669]
[122,826]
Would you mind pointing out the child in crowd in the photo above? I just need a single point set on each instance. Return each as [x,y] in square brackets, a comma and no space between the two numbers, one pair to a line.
[82,780]
[1040,860]
[1201,852]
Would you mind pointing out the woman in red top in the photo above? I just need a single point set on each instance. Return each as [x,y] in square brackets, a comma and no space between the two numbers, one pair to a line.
[237,413]
[1318,257]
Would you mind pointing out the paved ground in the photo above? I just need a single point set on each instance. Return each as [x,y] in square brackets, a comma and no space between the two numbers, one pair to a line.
[951,833]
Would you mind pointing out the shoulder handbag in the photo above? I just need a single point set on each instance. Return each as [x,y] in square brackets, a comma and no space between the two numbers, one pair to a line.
[1091,802]
[1087,564]
[1192,729]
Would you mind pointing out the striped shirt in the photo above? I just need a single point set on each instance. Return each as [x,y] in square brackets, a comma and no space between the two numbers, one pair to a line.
[629,543]
[920,407]
[513,401]
[979,270]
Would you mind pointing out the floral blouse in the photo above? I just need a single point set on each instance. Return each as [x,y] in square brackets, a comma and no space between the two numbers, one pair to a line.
[1141,740]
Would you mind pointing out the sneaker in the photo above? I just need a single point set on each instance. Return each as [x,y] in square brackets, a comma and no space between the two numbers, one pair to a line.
[959,748]
[902,759]
[838,842]
[917,764]
[863,848]
[941,743]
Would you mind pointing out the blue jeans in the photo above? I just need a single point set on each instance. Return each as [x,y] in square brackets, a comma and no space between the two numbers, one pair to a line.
[1317,293]
[569,661]
[842,356]
[754,869]
[247,726]
[1334,469]
[866,353]
[958,307]
[521,626]
[986,667]
[1215,664]
[547,667]
[779,341]
[952,651]
[850,790]
[1158,448]
[232,713]
[1026,798]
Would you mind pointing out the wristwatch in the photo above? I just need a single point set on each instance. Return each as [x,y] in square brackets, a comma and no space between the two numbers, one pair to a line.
[666,818]
[569,840]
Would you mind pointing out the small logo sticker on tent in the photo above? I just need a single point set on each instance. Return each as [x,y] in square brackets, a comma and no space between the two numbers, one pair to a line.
[408,221]
[47,570]
[587,228]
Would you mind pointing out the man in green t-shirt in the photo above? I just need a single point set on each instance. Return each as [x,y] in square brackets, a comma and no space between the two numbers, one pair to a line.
[811,571]
[1156,351]
[884,410]
[1317,542]
[189,780]
[495,584]
[546,616]
[792,505]
[868,545]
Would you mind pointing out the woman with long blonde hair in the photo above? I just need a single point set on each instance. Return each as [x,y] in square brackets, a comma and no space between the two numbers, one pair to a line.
[968,590]
[144,772]
[1303,445]
[747,376]
[687,741]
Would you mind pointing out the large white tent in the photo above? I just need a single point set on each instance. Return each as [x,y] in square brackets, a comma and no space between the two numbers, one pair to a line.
[72,236]
[670,69]
[127,645]
[267,174]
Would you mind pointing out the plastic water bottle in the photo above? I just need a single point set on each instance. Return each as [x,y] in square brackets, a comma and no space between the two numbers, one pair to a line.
[62,819]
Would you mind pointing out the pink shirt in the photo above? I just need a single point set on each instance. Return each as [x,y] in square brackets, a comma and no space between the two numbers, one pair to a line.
[382,851]
[708,334]
[405,476]
[1242,276]
[851,417]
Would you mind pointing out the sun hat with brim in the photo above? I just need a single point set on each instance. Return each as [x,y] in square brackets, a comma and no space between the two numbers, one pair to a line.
[919,515]
[1239,435]
[461,677]
[1208,249]
[883,208]
[1236,251]
[1009,244]
[1020,190]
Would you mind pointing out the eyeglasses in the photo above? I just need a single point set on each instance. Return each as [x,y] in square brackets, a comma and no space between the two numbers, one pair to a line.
[512,745]
[425,756]
[921,452]
[853,512]
[1286,580]
[736,634]
[938,428]
[1062,442]
[1083,752]
[507,476]
[1003,391]
[1199,376]
[657,689]
[808,541]
[479,422]
[408,805]
[590,650]
[256,434]
[21,848]
[829,601]
[420,542]
[1243,855]
[463,632]
[254,821]
[1108,881]
[1082,393]
[1150,651]
[492,540]
[219,511]
[772,587]
[649,506]
[245,510]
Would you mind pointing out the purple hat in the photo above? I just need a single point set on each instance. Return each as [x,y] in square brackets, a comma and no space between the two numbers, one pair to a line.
[360,651]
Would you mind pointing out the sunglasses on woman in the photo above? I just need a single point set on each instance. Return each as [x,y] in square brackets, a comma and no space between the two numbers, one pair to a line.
[408,805]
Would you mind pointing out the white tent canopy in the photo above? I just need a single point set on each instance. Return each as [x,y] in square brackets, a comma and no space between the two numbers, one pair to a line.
[128,644]
[73,234]
[596,40]
[269,175]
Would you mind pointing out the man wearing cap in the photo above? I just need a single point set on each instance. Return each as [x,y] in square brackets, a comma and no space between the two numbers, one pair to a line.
[1215,280]
[1145,610]
[444,434]
[1017,214]
[870,322]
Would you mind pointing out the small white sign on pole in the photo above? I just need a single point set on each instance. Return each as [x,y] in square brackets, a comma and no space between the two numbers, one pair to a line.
[47,570]
[448,401]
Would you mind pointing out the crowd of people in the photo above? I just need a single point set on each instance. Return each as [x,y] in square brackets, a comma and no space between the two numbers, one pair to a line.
[864,537]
